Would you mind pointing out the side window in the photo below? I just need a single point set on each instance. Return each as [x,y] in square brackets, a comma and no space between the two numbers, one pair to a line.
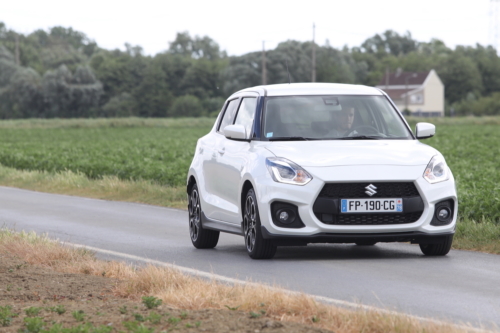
[228,115]
[246,113]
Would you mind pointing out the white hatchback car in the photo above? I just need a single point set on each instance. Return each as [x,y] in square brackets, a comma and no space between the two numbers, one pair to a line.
[293,164]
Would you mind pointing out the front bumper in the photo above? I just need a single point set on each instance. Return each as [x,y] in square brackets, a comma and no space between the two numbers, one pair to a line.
[304,197]
[298,240]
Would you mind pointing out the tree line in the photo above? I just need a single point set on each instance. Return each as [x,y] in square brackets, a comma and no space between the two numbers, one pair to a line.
[60,72]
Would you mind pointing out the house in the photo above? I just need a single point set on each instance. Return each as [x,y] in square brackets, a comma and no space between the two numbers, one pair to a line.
[422,93]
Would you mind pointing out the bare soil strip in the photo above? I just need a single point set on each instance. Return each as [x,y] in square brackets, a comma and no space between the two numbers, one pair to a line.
[39,277]
[26,286]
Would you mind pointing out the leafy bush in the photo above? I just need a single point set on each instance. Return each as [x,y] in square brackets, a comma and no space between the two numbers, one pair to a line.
[187,106]
[6,315]
[151,302]
[484,106]
[119,106]
[33,325]
[32,311]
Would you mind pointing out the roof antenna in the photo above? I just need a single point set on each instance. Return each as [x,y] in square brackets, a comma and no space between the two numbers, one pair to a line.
[286,62]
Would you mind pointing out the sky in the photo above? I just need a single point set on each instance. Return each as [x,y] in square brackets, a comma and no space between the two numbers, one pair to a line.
[240,27]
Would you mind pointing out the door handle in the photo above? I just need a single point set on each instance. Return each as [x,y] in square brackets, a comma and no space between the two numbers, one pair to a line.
[222,151]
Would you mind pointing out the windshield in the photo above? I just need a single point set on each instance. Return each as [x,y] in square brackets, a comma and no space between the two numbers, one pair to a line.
[332,118]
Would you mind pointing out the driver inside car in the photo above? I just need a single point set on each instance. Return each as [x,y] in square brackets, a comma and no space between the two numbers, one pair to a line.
[343,123]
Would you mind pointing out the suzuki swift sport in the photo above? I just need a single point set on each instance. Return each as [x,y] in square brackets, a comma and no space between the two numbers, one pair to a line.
[294,164]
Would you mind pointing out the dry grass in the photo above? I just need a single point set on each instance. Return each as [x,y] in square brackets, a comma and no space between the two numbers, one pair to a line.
[107,188]
[483,236]
[187,292]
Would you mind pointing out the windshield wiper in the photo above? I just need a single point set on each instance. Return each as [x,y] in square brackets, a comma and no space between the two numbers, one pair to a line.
[289,138]
[361,137]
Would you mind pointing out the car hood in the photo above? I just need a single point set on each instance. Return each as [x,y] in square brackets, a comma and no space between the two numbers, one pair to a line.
[360,152]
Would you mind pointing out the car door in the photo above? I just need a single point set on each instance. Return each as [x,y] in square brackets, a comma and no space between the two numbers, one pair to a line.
[233,156]
[213,203]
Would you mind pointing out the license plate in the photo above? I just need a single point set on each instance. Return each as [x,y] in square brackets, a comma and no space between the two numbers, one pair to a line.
[391,205]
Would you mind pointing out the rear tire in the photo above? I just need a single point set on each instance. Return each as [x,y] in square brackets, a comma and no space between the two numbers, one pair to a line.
[201,238]
[437,249]
[257,247]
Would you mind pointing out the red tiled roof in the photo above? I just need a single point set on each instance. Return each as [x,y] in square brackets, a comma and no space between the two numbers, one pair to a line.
[400,80]
[396,94]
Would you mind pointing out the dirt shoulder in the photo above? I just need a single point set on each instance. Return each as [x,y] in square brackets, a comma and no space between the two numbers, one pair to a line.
[78,299]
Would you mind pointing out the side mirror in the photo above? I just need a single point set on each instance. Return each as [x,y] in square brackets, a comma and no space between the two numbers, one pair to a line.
[425,130]
[235,132]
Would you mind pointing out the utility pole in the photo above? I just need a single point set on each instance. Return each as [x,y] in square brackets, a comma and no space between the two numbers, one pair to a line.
[17,50]
[313,79]
[264,74]
[387,78]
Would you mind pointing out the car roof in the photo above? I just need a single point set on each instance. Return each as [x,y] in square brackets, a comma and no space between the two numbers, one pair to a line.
[295,89]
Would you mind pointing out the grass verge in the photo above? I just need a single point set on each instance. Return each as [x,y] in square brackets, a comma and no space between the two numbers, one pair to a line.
[471,235]
[107,188]
[181,291]
[483,236]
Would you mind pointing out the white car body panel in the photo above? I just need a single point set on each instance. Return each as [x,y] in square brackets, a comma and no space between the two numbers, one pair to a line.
[368,152]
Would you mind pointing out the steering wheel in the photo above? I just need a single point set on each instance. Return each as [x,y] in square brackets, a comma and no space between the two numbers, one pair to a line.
[363,129]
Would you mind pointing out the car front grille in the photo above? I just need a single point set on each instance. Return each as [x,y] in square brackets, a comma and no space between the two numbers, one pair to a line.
[333,192]
[357,190]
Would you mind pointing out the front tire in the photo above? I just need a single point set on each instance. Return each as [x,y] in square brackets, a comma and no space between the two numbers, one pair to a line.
[257,247]
[201,238]
[437,249]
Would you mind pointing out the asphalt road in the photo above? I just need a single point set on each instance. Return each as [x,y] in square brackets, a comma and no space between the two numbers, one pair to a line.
[463,287]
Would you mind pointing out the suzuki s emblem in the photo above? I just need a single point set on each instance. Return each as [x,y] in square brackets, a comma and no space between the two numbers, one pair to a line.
[370,190]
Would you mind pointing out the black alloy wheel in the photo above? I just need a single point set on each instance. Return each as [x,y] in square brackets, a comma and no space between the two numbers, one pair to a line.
[257,247]
[437,249]
[201,238]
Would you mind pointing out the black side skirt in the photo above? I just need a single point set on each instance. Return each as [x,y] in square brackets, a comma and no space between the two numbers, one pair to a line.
[207,223]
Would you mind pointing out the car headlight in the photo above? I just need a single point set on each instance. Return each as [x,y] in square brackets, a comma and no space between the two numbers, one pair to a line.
[285,171]
[437,170]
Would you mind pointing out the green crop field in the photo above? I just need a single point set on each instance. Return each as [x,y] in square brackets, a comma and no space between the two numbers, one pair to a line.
[159,154]
[473,154]
[472,151]
[160,151]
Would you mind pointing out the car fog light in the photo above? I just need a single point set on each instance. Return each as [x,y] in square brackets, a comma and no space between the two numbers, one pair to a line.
[283,216]
[443,214]
[286,216]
